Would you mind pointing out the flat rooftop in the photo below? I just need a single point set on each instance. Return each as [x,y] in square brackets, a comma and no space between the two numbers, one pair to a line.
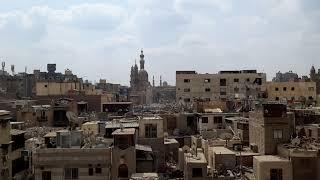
[50,134]
[117,124]
[16,132]
[125,131]
[196,158]
[222,150]
[270,158]
[145,176]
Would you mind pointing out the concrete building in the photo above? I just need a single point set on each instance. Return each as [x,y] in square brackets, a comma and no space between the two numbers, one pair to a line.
[272,167]
[292,91]
[35,115]
[151,133]
[64,157]
[315,77]
[191,86]
[214,120]
[12,143]
[195,165]
[221,158]
[124,153]
[270,125]
[304,157]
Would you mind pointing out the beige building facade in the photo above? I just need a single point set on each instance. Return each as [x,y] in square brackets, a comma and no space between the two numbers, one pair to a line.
[272,167]
[56,88]
[221,86]
[72,163]
[291,91]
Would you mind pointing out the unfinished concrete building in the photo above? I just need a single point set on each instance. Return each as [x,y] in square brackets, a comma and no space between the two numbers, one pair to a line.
[12,162]
[270,125]
[191,86]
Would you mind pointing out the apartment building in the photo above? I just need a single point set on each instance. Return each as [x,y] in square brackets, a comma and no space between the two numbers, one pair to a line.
[291,91]
[191,86]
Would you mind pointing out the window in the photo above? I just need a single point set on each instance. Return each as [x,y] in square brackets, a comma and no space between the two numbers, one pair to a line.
[98,169]
[236,89]
[90,172]
[284,88]
[186,90]
[275,174]
[236,80]
[311,88]
[207,81]
[310,98]
[46,175]
[277,134]
[277,98]
[186,80]
[204,120]
[207,99]
[71,173]
[207,89]
[217,119]
[310,132]
[276,89]
[45,86]
[150,130]
[196,172]
[223,93]
[292,88]
[223,82]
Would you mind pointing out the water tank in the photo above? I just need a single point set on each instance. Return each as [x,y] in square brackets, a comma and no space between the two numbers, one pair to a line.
[51,68]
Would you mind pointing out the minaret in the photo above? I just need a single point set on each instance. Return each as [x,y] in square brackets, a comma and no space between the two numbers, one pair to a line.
[142,60]
[312,73]
[153,81]
[160,81]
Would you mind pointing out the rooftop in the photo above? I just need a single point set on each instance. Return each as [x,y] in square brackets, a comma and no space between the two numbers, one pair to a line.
[270,158]
[50,134]
[144,176]
[117,124]
[222,150]
[196,157]
[15,132]
[143,148]
[125,131]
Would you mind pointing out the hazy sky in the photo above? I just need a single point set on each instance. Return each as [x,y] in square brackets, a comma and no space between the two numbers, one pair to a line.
[101,39]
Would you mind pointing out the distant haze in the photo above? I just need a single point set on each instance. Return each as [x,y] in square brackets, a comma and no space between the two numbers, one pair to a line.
[101,39]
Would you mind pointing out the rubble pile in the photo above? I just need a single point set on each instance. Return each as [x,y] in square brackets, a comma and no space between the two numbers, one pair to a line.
[40,131]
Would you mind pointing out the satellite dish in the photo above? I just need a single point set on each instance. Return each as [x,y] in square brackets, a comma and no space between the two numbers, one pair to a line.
[295,141]
[71,116]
